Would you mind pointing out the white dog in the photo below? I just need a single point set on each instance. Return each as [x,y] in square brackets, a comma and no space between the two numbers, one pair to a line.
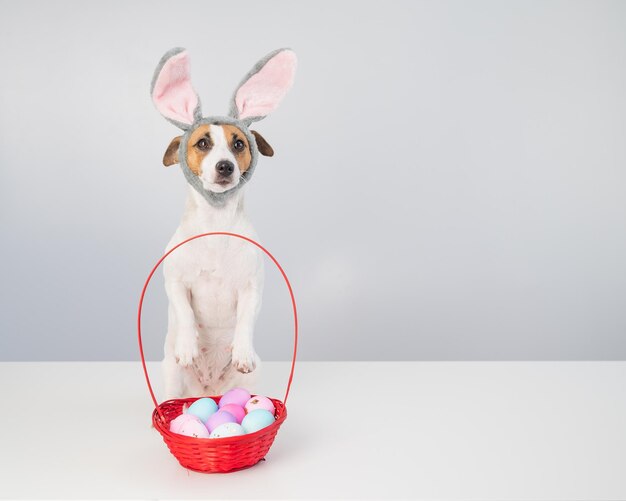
[214,284]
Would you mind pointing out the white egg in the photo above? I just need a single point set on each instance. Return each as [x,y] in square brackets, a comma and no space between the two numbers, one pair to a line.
[227,430]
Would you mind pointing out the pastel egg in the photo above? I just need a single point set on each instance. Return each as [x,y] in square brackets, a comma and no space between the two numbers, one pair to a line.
[260,402]
[220,417]
[237,396]
[236,410]
[227,430]
[175,424]
[193,428]
[203,408]
[256,420]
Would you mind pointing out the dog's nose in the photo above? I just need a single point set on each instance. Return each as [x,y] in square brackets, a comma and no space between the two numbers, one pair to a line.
[224,167]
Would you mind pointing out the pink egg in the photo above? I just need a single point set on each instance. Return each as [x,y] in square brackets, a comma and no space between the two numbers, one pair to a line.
[220,417]
[175,424]
[193,428]
[236,410]
[260,402]
[237,396]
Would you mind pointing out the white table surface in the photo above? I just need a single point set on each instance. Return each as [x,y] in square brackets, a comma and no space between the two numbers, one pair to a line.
[438,430]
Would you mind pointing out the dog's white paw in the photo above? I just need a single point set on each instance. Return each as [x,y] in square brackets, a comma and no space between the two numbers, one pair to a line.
[186,349]
[244,358]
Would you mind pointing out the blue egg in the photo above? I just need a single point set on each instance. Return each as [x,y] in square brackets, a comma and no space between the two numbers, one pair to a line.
[203,408]
[257,419]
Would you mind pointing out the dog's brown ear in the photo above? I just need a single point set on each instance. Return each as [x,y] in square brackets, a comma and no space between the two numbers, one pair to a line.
[264,147]
[171,154]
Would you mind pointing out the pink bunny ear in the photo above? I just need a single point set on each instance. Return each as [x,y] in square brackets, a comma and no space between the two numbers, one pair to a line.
[262,90]
[172,92]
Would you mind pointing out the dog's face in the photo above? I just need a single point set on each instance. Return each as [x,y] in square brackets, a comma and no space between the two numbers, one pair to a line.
[217,154]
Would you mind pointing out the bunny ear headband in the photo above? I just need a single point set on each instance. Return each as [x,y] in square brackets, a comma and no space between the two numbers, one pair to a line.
[259,93]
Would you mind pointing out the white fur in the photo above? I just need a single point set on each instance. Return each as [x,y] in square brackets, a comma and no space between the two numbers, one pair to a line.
[214,287]
[219,151]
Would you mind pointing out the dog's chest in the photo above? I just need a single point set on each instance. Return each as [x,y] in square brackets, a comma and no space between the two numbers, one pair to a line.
[214,299]
[215,270]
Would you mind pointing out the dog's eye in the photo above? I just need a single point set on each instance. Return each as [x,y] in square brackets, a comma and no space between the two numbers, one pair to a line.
[239,145]
[203,144]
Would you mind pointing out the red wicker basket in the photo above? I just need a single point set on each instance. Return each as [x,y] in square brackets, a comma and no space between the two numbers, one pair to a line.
[216,455]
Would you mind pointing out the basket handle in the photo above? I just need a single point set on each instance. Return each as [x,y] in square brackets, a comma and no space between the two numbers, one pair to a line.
[156,266]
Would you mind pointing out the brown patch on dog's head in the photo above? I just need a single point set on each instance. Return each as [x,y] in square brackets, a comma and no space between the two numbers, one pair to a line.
[171,154]
[198,147]
[239,145]
[264,147]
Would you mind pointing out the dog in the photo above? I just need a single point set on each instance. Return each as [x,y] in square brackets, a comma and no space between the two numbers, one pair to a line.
[214,284]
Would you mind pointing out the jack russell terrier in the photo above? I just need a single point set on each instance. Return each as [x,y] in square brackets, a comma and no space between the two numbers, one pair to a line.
[214,284]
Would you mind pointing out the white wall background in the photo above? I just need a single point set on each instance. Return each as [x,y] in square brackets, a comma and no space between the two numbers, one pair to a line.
[449,182]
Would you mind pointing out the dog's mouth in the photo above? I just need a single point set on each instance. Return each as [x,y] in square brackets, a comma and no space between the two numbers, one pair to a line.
[221,185]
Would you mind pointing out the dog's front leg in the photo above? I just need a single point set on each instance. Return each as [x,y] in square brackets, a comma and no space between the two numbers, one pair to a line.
[186,335]
[244,358]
